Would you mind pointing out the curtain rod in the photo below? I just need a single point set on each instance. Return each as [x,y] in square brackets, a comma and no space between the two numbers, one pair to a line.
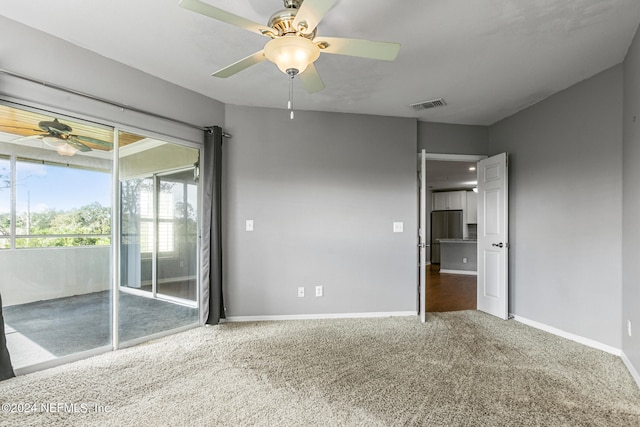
[103,100]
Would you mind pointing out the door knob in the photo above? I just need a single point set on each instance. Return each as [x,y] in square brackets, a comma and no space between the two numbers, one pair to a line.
[498,245]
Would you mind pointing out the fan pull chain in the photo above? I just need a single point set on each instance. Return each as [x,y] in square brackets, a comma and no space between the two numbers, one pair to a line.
[291,96]
[292,73]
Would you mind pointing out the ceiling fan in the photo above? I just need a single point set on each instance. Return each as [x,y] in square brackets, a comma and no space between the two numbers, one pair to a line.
[294,46]
[58,136]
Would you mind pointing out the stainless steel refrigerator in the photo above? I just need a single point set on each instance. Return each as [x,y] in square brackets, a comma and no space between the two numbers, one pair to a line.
[444,225]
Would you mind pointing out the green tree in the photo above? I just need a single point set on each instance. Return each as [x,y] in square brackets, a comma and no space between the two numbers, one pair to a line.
[5,224]
[90,219]
[5,218]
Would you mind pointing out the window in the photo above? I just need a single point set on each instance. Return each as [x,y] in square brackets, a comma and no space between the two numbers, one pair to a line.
[165,218]
[137,207]
[60,205]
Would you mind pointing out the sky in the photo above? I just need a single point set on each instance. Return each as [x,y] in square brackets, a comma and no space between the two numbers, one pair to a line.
[54,187]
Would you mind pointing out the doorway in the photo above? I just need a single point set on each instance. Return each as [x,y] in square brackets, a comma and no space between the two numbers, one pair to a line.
[454,288]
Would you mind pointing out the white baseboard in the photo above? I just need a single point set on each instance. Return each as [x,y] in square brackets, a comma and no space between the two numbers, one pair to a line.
[320,316]
[631,368]
[573,337]
[467,272]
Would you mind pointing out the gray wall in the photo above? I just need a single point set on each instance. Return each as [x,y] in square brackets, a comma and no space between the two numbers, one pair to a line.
[442,138]
[324,190]
[631,204]
[43,57]
[565,208]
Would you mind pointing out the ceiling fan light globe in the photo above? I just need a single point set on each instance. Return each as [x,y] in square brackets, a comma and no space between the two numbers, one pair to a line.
[54,141]
[291,52]
[67,150]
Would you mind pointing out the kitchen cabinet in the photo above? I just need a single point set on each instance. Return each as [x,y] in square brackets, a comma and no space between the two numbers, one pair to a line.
[440,201]
[449,200]
[472,207]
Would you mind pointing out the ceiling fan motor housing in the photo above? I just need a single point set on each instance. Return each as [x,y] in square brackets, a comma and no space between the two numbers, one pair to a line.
[295,4]
[54,127]
[282,20]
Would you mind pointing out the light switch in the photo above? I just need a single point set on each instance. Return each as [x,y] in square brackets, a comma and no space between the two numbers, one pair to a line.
[398,227]
[249,225]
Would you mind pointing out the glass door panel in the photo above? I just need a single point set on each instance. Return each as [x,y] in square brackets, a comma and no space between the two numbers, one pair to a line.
[177,235]
[55,235]
[159,246]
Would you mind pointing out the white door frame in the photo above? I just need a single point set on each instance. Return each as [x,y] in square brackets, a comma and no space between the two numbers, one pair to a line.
[422,294]
[422,237]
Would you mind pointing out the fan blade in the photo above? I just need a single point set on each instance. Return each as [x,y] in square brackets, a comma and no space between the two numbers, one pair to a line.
[236,67]
[386,51]
[77,144]
[81,139]
[311,13]
[224,16]
[311,79]
[22,138]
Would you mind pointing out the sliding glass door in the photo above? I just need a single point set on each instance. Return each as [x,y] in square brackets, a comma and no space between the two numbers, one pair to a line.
[84,271]
[158,240]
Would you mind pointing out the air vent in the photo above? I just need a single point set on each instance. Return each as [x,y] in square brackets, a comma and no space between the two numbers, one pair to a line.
[429,104]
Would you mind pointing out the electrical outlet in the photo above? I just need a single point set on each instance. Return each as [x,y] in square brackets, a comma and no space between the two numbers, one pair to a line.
[318,291]
[398,227]
[464,260]
[301,292]
[629,327]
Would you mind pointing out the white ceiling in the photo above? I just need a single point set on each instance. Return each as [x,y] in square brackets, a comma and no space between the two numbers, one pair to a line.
[487,58]
[450,175]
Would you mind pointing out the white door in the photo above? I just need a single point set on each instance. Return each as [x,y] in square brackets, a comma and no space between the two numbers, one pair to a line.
[422,236]
[493,227]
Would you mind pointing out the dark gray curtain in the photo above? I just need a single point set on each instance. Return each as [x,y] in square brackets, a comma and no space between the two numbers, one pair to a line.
[6,371]
[212,302]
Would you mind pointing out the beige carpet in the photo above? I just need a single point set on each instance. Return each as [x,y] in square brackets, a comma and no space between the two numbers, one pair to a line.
[459,369]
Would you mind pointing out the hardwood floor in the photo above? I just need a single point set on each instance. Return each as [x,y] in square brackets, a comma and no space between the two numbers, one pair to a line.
[449,292]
